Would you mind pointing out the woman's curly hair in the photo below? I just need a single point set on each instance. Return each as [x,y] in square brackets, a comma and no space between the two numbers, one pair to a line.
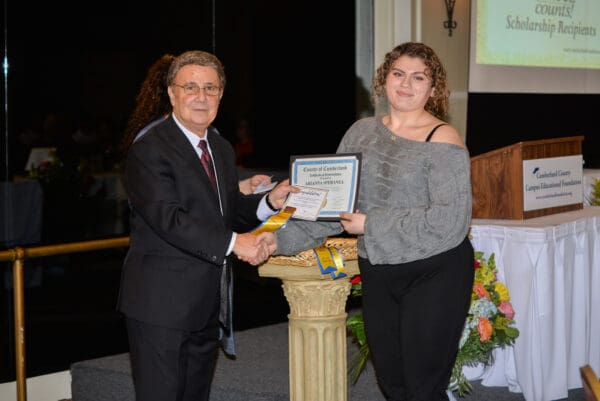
[151,102]
[436,104]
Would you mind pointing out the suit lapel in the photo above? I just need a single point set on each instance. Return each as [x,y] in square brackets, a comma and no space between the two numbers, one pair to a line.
[191,159]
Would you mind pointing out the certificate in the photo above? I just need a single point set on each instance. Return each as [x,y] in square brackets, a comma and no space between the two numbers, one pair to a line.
[308,202]
[337,173]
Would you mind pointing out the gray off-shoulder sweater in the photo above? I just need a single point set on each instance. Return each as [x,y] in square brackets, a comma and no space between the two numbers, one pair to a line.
[416,196]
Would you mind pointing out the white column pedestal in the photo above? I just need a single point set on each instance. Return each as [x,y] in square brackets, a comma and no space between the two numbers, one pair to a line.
[317,330]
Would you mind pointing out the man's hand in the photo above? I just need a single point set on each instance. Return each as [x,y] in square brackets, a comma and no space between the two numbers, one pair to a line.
[270,240]
[252,248]
[278,195]
[248,186]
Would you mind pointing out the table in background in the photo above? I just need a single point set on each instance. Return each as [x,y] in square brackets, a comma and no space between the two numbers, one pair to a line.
[551,266]
[20,213]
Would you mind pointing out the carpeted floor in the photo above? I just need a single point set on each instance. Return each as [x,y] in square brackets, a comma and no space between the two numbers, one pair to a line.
[258,373]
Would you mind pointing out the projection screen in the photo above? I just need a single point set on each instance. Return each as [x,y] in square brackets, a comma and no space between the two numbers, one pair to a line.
[535,46]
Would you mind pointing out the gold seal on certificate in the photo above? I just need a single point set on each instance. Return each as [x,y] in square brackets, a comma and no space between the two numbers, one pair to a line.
[338,174]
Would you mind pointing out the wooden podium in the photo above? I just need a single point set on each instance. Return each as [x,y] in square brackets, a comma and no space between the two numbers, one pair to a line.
[497,178]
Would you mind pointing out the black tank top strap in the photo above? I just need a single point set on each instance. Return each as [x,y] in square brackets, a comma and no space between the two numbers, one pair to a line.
[433,130]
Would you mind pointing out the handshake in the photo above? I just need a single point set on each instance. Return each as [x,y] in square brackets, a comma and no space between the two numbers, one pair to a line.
[255,249]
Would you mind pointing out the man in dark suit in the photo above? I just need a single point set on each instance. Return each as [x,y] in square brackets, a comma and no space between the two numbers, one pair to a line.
[187,216]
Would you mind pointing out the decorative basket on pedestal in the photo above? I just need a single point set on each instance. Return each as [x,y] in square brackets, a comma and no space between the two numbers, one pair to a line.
[346,246]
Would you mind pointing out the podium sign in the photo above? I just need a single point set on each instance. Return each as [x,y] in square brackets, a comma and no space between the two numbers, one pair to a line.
[554,181]
[504,182]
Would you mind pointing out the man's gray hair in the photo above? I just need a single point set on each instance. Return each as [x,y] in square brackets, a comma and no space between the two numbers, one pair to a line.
[196,57]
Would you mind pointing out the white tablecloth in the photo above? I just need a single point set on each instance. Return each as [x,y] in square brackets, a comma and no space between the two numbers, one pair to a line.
[551,266]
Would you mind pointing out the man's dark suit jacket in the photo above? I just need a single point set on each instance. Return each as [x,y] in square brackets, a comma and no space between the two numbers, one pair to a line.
[179,237]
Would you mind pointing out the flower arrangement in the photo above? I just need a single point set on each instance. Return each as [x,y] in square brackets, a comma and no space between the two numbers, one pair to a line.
[594,198]
[489,324]
[56,172]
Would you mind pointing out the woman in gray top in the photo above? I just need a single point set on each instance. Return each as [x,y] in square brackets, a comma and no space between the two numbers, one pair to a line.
[412,220]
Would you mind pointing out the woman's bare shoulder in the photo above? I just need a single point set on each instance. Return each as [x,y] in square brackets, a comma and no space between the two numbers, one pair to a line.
[447,134]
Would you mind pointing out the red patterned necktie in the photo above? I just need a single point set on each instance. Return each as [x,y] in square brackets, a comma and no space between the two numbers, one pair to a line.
[208,164]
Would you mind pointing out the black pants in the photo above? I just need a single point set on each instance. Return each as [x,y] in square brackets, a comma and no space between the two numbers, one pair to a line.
[169,364]
[414,315]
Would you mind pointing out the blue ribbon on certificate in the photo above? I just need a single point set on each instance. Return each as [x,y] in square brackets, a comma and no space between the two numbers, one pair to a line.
[330,261]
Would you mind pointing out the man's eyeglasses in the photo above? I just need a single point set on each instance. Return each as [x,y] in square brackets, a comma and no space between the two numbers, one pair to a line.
[193,89]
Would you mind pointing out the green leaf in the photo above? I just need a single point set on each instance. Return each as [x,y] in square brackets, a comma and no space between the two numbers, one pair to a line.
[512,332]
[358,362]
[356,327]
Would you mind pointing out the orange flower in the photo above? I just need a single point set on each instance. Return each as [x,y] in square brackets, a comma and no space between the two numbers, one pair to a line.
[480,290]
[484,328]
